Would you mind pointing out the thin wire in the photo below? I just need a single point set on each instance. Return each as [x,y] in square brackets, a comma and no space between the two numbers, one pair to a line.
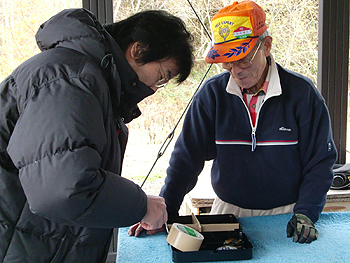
[171,134]
[205,29]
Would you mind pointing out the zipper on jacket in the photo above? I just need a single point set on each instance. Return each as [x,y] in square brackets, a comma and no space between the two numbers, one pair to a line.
[256,124]
[253,134]
[253,139]
[251,124]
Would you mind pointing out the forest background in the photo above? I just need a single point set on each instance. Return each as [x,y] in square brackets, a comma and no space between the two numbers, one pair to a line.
[293,25]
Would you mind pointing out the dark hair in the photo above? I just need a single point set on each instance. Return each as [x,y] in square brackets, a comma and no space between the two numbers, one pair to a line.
[162,36]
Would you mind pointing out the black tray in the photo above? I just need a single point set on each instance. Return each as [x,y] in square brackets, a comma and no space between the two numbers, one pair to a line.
[213,240]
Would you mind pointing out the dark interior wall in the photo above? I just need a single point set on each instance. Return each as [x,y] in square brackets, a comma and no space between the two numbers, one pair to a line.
[333,66]
[103,9]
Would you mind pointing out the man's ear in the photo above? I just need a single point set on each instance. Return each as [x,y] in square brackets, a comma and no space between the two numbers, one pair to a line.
[267,45]
[136,50]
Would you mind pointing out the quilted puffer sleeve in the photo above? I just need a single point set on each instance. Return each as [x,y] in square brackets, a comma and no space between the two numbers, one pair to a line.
[56,145]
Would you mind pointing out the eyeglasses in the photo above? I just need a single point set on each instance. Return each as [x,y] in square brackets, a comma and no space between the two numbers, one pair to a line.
[245,63]
[164,80]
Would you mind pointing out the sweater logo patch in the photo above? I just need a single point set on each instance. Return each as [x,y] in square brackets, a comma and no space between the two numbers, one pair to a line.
[285,129]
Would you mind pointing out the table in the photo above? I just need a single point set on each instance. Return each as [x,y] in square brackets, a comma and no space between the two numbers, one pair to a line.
[268,237]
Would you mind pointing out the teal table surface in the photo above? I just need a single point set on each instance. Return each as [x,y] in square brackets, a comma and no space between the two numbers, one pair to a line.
[268,237]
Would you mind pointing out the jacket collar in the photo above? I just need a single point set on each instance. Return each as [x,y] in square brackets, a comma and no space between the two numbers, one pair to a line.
[127,89]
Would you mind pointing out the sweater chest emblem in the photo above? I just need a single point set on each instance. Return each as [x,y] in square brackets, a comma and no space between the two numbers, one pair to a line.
[285,129]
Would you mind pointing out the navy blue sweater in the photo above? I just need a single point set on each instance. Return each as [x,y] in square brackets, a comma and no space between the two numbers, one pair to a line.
[292,160]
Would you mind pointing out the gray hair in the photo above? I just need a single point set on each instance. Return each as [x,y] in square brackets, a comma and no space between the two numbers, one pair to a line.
[262,36]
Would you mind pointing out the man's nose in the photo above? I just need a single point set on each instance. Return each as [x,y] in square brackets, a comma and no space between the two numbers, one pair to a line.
[234,68]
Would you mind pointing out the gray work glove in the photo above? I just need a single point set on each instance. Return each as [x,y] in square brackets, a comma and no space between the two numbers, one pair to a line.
[302,229]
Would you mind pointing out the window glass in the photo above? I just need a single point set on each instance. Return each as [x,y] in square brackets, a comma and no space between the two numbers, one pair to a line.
[19,22]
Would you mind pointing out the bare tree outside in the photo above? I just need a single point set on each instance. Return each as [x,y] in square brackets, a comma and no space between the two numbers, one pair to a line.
[19,21]
[293,25]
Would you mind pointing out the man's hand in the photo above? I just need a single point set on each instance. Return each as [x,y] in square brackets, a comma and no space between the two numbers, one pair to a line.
[155,218]
[302,229]
[137,229]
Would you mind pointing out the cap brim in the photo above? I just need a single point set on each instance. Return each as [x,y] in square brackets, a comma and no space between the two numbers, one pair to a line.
[231,51]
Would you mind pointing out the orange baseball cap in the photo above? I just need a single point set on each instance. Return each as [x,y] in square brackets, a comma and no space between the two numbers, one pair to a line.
[236,29]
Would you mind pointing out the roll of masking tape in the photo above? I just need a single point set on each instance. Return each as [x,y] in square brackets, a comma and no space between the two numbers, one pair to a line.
[184,238]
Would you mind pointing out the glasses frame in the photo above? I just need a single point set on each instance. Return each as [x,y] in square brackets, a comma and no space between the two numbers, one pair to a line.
[164,80]
[237,62]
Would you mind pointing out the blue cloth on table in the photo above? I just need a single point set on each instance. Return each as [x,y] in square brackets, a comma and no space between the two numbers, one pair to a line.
[268,237]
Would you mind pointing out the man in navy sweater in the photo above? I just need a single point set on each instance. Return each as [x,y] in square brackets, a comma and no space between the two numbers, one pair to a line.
[267,130]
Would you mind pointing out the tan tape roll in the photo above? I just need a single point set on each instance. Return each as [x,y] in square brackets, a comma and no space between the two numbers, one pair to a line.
[184,238]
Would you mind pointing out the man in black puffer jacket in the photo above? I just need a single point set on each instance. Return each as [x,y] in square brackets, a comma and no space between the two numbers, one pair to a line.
[63,133]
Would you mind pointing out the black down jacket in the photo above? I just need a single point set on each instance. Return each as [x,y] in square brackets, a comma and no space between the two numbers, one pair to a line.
[62,140]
